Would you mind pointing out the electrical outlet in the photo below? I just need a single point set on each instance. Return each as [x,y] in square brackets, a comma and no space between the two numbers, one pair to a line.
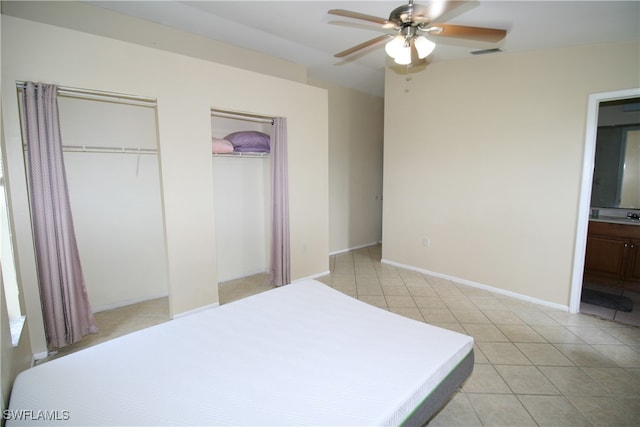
[426,242]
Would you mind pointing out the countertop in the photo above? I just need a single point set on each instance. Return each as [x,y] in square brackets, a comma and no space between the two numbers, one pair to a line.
[615,220]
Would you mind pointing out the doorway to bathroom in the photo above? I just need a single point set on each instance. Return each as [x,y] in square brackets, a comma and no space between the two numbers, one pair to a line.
[605,111]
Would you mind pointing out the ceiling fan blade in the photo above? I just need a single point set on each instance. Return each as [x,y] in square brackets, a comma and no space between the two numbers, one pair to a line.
[366,44]
[356,15]
[463,32]
[359,25]
[436,9]
[451,9]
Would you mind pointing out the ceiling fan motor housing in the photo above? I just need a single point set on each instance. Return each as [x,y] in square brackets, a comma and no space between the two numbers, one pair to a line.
[406,15]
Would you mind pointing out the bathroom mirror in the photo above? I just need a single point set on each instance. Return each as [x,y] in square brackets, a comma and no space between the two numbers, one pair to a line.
[616,175]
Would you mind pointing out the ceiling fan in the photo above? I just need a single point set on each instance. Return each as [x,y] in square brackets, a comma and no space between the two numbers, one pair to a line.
[411,23]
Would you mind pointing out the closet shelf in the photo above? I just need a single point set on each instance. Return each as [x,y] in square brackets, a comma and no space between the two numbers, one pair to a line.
[238,154]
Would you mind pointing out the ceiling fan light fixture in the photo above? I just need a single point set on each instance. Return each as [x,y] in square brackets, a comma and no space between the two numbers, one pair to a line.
[395,46]
[424,46]
[404,56]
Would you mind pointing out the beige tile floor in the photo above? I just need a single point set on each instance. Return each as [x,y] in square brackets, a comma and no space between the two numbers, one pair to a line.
[535,366]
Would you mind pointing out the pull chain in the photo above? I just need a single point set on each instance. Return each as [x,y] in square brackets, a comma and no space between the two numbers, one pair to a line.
[407,79]
[138,162]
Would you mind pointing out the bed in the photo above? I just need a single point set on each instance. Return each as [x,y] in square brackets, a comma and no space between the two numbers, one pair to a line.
[301,354]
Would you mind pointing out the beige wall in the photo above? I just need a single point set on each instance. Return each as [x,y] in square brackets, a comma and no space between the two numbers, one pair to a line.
[356,127]
[186,88]
[483,164]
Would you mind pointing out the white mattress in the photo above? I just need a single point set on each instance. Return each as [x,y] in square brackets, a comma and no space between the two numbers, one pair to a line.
[302,354]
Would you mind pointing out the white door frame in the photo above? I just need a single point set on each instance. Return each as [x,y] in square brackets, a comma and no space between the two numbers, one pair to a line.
[584,203]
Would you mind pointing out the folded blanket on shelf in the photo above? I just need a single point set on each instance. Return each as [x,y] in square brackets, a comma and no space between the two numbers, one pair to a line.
[250,141]
[221,146]
[252,150]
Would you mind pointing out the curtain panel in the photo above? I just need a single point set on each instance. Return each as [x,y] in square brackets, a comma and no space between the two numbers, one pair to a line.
[280,246]
[65,302]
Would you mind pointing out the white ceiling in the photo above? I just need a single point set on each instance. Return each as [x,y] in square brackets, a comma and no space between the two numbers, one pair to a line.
[303,32]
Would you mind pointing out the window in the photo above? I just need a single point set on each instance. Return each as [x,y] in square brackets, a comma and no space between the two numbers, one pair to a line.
[9,279]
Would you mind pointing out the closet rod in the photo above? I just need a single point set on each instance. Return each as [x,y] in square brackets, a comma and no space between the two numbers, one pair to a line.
[241,116]
[99,149]
[122,98]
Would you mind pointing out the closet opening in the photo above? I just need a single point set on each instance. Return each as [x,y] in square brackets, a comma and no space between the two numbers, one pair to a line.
[241,149]
[110,153]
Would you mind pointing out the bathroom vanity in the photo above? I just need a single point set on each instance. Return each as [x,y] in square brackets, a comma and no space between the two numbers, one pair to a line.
[613,253]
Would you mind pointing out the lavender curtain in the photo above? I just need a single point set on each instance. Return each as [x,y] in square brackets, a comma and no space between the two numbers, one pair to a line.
[280,258]
[64,299]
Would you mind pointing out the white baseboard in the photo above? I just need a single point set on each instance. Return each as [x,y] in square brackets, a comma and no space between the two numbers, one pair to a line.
[353,248]
[313,276]
[39,356]
[243,276]
[480,286]
[196,310]
[128,302]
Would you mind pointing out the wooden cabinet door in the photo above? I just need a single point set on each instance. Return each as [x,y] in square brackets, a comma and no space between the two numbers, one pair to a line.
[605,256]
[633,266]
